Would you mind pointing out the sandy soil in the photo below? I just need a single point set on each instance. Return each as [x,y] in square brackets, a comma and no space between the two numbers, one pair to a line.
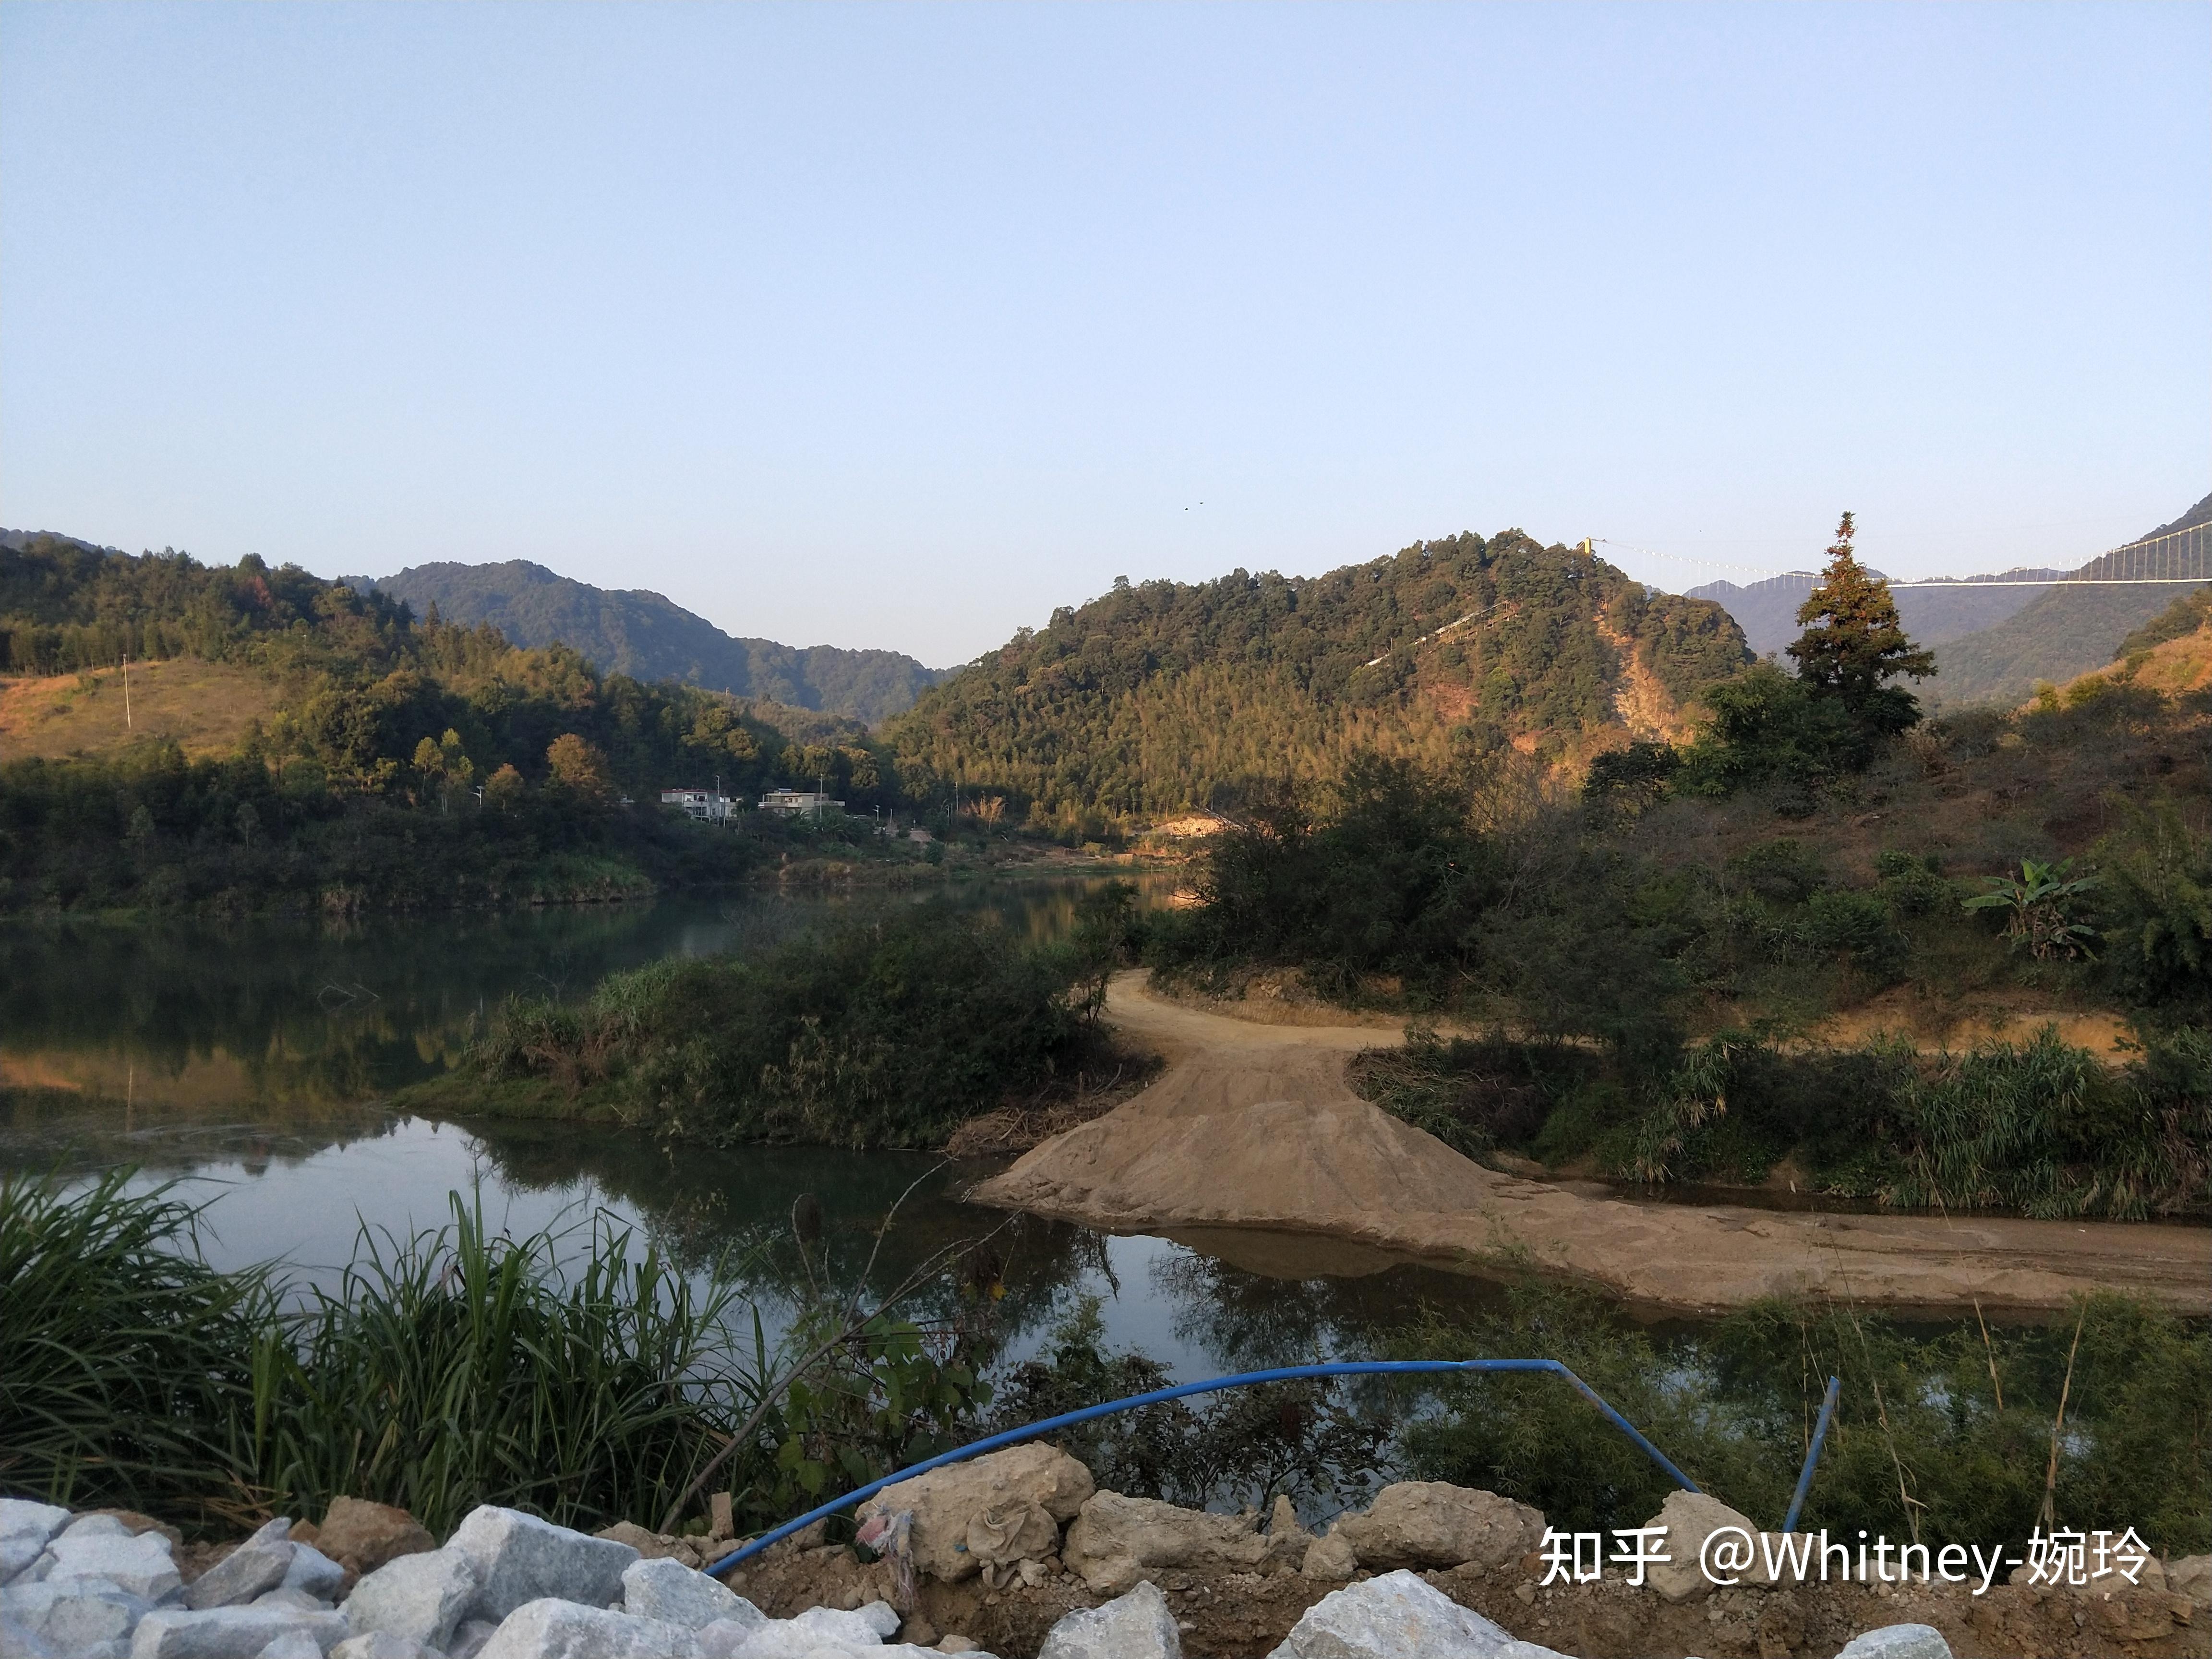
[1254,1127]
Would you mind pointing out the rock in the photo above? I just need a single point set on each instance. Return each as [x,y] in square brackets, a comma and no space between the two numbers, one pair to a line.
[469,1640]
[549,1628]
[1137,1626]
[298,1599]
[421,1597]
[946,1502]
[383,1644]
[1018,1529]
[1117,1540]
[134,1523]
[520,1558]
[917,1631]
[314,1573]
[229,1633]
[1287,1541]
[1897,1641]
[1429,1523]
[98,1523]
[26,1528]
[1330,1560]
[364,1536]
[258,1565]
[669,1590]
[298,1645]
[140,1563]
[73,1614]
[1690,1519]
[2190,1576]
[1398,1616]
[656,1545]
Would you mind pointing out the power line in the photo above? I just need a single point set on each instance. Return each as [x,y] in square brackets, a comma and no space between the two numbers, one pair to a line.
[2176,557]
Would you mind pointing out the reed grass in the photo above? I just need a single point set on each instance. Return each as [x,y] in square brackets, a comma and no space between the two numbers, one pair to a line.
[125,1361]
[448,1369]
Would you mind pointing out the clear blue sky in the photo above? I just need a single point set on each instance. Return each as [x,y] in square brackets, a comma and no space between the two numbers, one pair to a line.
[901,326]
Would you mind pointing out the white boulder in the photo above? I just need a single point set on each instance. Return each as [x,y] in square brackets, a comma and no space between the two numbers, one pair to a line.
[259,1563]
[549,1628]
[946,1504]
[419,1597]
[668,1589]
[1897,1641]
[1115,1540]
[298,1645]
[75,1614]
[1431,1523]
[314,1573]
[1137,1626]
[520,1558]
[229,1633]
[26,1528]
[469,1639]
[1399,1616]
[141,1565]
[382,1644]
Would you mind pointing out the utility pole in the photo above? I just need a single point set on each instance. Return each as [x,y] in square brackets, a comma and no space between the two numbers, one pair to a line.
[128,724]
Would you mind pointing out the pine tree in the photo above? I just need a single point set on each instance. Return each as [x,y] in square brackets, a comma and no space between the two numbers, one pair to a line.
[1853,643]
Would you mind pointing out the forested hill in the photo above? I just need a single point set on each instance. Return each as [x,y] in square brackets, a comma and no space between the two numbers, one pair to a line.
[2065,631]
[1163,696]
[648,637]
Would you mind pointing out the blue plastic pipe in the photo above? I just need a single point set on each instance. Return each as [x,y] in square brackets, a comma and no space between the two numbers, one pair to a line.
[1813,1454]
[1242,1380]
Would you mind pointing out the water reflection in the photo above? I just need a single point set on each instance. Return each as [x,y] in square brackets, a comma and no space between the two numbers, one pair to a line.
[245,1062]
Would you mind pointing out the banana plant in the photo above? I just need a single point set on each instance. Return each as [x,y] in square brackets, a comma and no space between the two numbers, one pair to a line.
[2038,908]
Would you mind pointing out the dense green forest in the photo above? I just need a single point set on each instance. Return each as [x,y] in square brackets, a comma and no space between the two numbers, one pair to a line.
[648,637]
[407,762]
[1660,966]
[1162,695]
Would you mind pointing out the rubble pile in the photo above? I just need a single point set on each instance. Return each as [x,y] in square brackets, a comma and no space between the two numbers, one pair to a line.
[1018,1547]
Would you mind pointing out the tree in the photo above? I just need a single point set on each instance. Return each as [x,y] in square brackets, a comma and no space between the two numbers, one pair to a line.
[1853,643]
[579,768]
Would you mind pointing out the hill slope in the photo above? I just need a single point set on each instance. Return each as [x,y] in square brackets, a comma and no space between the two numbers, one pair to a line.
[2065,632]
[638,633]
[1767,611]
[1163,696]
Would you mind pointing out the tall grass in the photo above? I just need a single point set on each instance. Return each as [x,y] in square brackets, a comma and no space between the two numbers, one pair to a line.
[126,1362]
[449,1369]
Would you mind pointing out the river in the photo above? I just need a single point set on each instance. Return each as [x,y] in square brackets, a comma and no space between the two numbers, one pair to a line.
[246,1063]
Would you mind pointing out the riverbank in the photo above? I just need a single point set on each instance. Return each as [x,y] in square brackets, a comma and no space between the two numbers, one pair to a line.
[1254,1127]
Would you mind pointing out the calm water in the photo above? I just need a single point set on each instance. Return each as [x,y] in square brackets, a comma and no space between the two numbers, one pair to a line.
[246,1063]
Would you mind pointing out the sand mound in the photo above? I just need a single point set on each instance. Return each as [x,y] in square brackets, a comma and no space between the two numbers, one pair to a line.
[1254,1127]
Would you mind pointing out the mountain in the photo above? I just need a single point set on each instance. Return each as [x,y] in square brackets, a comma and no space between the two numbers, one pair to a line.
[1767,611]
[638,633]
[2065,631]
[1162,696]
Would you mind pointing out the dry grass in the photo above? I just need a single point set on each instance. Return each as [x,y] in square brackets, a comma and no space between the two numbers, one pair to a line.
[206,707]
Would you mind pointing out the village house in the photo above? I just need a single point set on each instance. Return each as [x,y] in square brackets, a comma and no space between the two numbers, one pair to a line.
[707,806]
[800,803]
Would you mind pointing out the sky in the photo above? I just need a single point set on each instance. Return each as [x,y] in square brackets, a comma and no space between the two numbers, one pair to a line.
[901,325]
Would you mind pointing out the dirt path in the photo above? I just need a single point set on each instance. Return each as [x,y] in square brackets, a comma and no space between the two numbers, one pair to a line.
[1254,1127]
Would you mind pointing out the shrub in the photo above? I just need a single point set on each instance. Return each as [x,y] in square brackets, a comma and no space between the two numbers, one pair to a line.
[890,1031]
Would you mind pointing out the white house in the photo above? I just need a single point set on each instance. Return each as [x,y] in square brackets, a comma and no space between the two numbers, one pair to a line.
[707,806]
[795,803]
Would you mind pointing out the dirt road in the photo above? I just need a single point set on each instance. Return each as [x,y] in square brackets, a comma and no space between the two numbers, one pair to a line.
[1254,1127]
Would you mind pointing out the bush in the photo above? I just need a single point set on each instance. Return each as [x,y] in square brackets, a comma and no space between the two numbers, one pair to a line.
[890,1031]
[1733,1403]
[2157,911]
